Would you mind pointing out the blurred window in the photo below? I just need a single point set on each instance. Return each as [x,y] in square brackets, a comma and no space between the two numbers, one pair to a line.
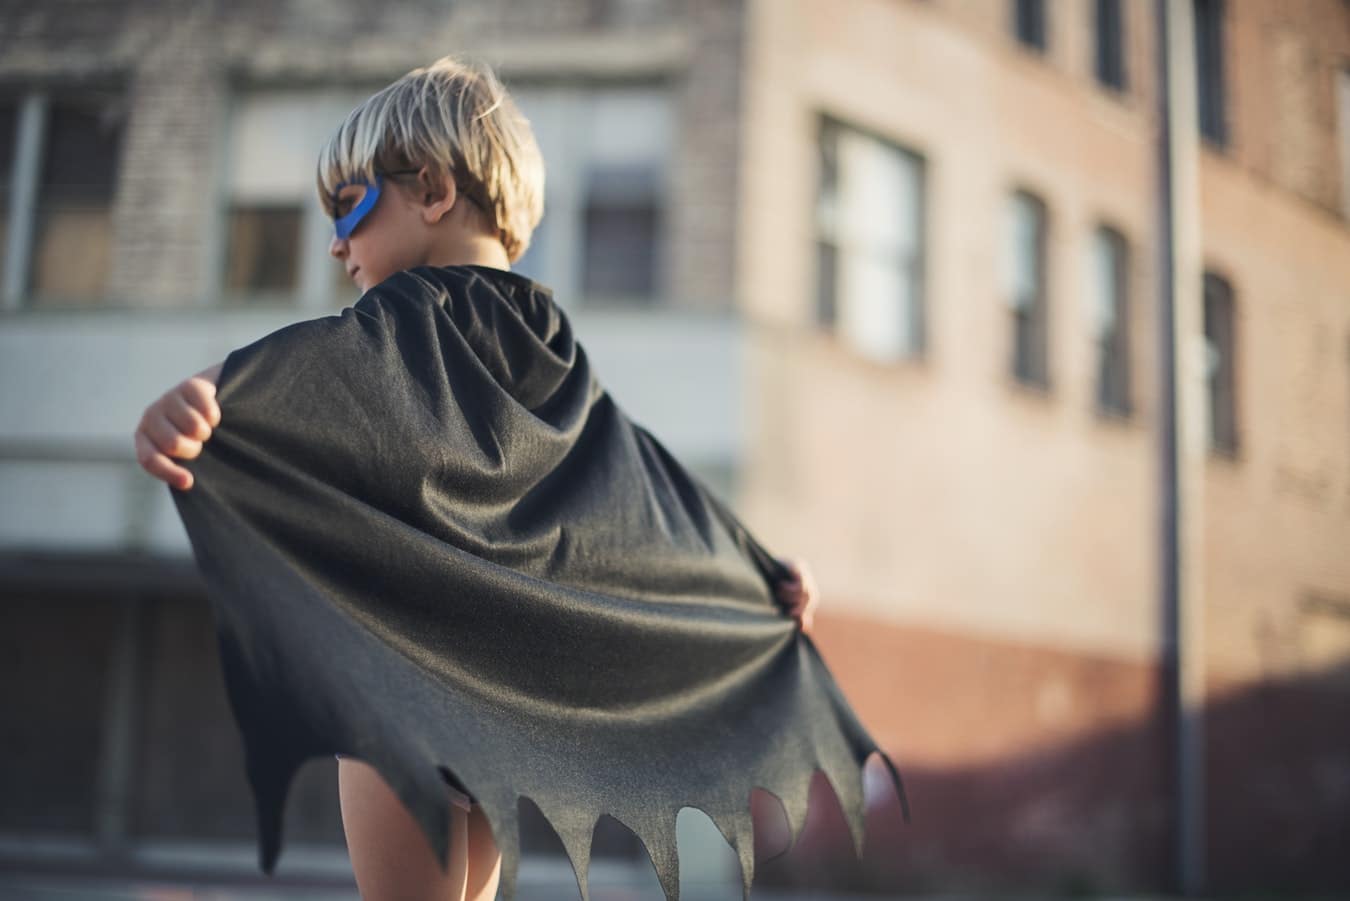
[1029,22]
[1110,44]
[1111,319]
[72,226]
[607,151]
[1209,64]
[269,136]
[869,243]
[264,242]
[1026,288]
[275,232]
[1220,345]
[59,158]
[620,234]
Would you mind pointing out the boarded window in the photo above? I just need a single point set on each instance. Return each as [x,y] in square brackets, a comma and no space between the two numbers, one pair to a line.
[264,249]
[72,226]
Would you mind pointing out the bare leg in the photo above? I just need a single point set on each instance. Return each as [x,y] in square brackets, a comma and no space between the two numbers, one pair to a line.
[485,861]
[391,858]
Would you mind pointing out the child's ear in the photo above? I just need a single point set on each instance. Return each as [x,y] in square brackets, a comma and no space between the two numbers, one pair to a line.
[437,194]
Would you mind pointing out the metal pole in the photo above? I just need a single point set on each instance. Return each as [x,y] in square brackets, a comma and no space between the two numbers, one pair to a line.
[1183,436]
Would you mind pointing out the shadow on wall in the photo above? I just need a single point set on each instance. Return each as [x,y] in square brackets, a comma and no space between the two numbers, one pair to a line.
[1094,815]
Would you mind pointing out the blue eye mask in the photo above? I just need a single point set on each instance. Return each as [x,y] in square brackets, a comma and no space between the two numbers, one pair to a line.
[347,224]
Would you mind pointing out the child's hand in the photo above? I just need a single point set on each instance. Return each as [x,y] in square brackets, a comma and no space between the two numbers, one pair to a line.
[799,595]
[176,425]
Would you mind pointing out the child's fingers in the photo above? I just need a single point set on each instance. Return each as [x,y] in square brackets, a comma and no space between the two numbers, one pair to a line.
[167,437]
[188,419]
[160,466]
[201,394]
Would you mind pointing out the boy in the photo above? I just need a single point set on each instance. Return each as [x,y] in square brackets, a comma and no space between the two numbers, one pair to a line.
[438,169]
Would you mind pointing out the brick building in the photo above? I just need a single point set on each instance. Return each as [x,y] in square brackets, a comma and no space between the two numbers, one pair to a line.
[956,415]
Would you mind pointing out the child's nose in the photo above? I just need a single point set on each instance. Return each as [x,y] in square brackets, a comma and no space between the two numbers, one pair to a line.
[337,248]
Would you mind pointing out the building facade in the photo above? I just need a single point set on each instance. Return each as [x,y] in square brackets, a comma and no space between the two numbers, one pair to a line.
[950,271]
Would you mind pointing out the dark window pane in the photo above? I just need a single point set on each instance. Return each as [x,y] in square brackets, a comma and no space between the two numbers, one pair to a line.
[1110,44]
[81,151]
[827,224]
[72,233]
[264,250]
[1209,62]
[620,253]
[1113,375]
[1220,341]
[55,655]
[619,239]
[1029,356]
[1030,319]
[827,282]
[1029,22]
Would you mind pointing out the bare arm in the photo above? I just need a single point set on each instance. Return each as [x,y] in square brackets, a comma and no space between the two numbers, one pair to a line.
[176,425]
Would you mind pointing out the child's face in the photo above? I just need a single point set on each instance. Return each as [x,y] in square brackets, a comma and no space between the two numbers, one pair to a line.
[391,237]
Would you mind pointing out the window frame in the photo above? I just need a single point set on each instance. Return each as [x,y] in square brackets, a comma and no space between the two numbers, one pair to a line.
[831,253]
[562,115]
[1029,359]
[1114,395]
[1208,19]
[1030,25]
[1111,38]
[318,280]
[1223,425]
[32,123]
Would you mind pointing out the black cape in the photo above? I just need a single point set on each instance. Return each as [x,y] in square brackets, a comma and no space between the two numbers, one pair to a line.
[433,541]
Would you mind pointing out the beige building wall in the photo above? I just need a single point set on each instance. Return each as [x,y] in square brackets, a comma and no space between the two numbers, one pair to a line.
[989,553]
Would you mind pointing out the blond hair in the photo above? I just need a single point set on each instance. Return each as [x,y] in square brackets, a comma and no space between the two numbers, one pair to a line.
[455,117]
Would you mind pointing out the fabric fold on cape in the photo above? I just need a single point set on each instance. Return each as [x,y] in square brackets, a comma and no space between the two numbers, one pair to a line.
[433,541]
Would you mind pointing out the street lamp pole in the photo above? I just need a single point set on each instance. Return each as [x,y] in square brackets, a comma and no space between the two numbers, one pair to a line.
[1182,432]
